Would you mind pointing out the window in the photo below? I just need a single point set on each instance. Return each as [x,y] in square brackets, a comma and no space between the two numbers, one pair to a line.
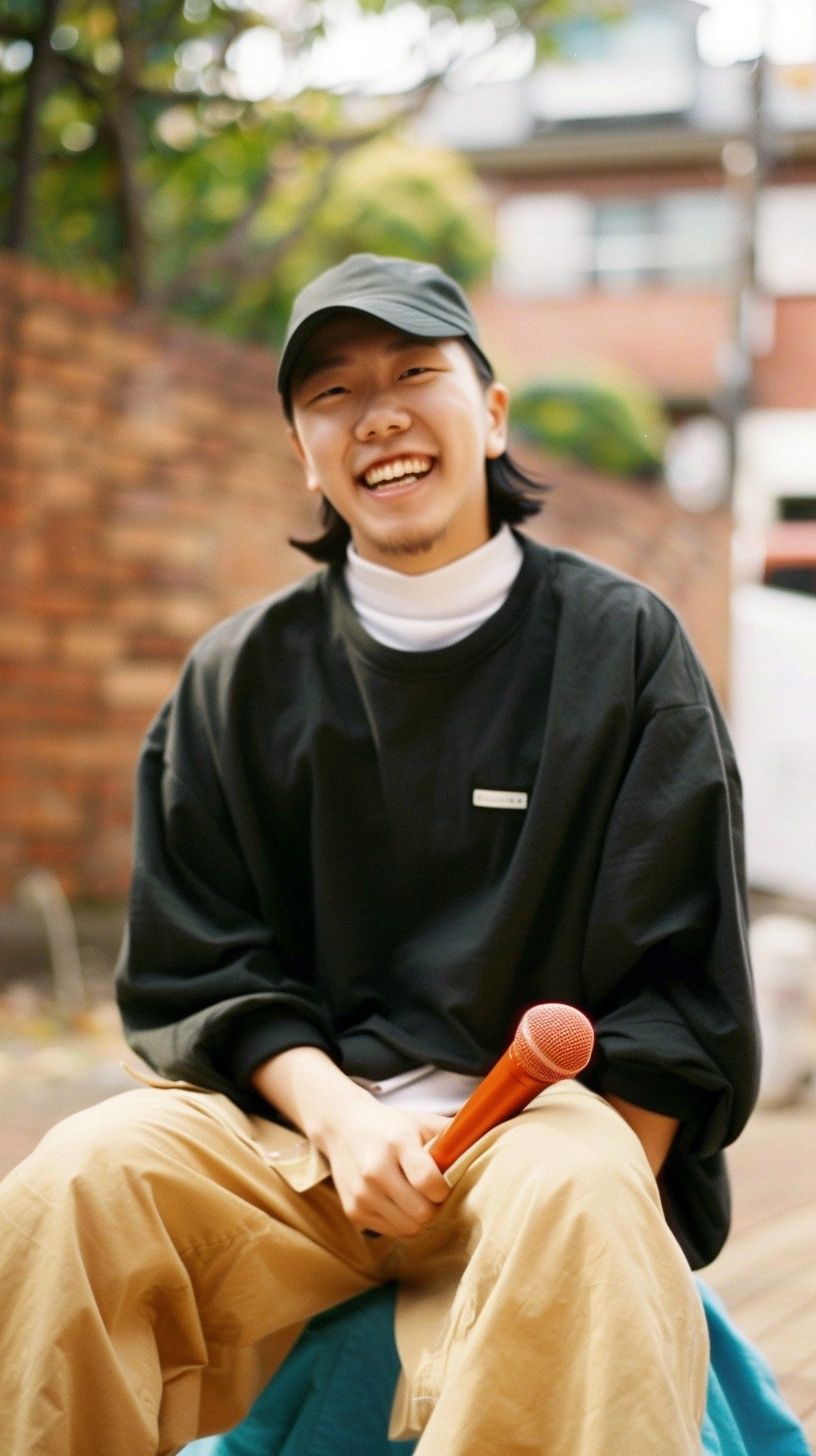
[545,244]
[561,243]
[786,240]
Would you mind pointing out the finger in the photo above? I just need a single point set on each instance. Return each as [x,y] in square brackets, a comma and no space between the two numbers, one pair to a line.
[386,1218]
[386,1202]
[423,1175]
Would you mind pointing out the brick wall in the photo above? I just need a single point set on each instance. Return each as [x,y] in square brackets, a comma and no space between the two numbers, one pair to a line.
[146,490]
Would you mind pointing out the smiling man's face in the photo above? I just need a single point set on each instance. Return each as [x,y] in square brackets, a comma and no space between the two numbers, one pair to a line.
[396,431]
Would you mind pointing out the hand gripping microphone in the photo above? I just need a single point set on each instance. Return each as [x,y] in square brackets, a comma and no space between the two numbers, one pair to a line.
[553,1042]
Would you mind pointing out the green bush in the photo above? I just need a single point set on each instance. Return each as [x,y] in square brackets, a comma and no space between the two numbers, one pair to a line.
[604,420]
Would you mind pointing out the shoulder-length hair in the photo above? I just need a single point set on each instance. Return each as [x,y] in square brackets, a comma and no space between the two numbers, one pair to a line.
[512,493]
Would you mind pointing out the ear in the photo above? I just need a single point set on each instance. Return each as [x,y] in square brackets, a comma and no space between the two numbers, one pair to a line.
[497,404]
[312,483]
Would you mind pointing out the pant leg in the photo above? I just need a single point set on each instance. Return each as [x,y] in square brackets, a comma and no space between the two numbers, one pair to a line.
[158,1253]
[565,1320]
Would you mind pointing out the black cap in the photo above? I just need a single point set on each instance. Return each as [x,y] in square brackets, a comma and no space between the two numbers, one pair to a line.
[415,297]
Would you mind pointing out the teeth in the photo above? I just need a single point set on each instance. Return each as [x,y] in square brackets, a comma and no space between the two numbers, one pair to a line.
[396,470]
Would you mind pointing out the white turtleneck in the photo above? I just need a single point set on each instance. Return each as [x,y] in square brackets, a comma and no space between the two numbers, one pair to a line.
[435,608]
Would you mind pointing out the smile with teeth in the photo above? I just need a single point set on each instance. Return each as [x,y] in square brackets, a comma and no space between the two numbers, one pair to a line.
[405,470]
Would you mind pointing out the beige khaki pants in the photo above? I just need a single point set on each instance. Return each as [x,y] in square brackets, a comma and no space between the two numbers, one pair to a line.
[160,1252]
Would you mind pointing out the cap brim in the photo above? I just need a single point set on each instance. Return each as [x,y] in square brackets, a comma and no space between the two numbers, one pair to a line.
[411,320]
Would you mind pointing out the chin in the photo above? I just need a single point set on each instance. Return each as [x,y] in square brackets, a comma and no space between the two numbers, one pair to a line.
[404,544]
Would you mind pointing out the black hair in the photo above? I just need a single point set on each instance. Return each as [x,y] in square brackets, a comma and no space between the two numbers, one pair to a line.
[512,494]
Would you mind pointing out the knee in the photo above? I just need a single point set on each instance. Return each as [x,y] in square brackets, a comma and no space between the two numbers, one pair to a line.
[590,1188]
[539,1187]
[91,1154]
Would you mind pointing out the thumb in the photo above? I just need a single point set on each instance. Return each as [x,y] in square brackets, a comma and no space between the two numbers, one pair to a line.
[432,1124]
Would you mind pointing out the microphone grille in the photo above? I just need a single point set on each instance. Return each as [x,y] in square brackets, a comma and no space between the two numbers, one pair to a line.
[553,1041]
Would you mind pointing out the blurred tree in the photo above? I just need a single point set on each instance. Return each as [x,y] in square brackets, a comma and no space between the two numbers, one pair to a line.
[605,419]
[207,154]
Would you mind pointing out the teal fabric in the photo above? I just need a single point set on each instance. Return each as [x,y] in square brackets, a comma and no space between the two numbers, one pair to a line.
[332,1397]
[745,1414]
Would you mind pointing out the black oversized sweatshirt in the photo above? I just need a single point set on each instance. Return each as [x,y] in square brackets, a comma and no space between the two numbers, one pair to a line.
[315,864]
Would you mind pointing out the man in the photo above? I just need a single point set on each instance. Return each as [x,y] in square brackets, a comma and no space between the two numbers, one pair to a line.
[451,776]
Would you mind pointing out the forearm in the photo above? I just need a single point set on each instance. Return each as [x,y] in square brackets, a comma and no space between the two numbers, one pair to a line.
[656,1132]
[309,1089]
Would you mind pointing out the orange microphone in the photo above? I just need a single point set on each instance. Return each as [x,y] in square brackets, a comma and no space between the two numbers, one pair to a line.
[553,1042]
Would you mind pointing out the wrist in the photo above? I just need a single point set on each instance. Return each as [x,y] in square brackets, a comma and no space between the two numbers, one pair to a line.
[310,1090]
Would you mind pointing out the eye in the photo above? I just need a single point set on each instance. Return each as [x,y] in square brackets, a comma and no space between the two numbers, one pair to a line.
[329,392]
[415,369]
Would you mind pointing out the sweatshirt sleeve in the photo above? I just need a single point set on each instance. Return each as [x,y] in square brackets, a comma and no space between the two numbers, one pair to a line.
[666,948]
[205,988]
[676,1026]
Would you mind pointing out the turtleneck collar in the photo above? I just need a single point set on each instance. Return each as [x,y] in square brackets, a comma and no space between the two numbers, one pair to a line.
[434,609]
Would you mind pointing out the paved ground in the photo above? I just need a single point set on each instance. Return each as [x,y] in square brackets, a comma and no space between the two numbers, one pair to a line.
[51,1066]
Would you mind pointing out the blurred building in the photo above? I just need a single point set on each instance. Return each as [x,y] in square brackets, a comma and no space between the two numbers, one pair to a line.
[658,210]
[618,173]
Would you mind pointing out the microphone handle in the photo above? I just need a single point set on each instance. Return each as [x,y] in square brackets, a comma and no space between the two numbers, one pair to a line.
[505,1090]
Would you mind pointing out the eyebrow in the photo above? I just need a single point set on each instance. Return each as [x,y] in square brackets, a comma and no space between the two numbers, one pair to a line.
[397,346]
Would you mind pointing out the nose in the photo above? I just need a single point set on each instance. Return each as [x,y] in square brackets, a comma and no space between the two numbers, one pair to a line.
[381,417]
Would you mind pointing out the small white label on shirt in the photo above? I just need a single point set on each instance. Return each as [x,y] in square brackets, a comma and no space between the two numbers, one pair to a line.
[499,799]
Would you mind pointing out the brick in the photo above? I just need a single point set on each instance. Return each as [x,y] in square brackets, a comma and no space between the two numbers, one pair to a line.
[113,803]
[111,850]
[20,484]
[23,716]
[160,544]
[250,475]
[187,477]
[132,721]
[198,408]
[158,647]
[87,752]
[65,489]
[118,469]
[252,427]
[121,349]
[37,407]
[55,331]
[137,685]
[28,559]
[246,561]
[23,638]
[47,680]
[152,434]
[18,716]
[94,572]
[170,508]
[37,448]
[43,288]
[144,502]
[175,578]
[43,810]
[94,643]
[186,614]
[61,601]
[67,376]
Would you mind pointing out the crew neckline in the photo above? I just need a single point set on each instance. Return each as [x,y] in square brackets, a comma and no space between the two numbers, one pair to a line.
[437,661]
